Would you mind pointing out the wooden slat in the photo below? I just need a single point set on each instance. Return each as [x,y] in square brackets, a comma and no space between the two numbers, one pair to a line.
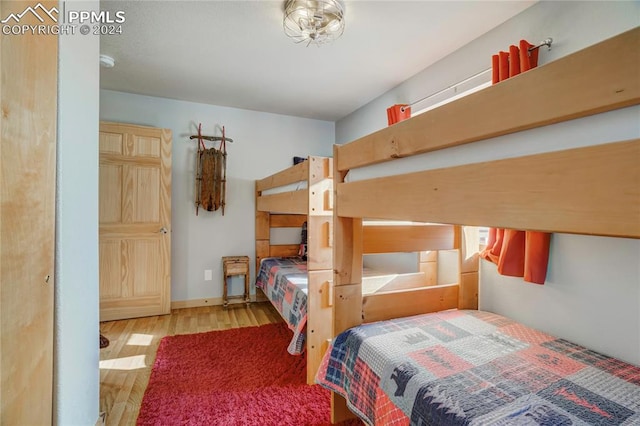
[468,293]
[428,256]
[292,202]
[347,307]
[320,168]
[347,244]
[327,230]
[290,175]
[262,251]
[430,270]
[262,226]
[328,199]
[319,252]
[396,304]
[284,250]
[406,238]
[467,245]
[317,197]
[428,264]
[404,282]
[577,85]
[287,220]
[591,190]
[319,320]
[347,251]
[263,234]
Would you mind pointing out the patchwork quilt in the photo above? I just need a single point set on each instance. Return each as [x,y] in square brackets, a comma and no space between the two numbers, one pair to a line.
[284,281]
[476,368]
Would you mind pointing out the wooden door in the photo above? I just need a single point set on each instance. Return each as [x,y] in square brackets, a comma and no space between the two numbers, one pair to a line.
[28,118]
[135,221]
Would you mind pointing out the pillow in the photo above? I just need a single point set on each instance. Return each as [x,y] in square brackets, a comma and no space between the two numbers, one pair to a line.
[302,251]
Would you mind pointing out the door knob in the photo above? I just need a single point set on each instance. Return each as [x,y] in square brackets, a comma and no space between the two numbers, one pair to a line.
[163,230]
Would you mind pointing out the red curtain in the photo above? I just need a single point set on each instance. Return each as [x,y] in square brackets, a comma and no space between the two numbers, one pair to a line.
[517,253]
[397,113]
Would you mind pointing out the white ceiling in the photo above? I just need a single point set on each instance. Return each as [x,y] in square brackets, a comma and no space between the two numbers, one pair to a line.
[234,53]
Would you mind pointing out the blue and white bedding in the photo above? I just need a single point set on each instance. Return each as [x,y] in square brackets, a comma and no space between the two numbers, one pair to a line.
[476,368]
[284,281]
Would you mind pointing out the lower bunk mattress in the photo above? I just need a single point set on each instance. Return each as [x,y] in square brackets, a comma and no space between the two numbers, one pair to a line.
[476,368]
[284,281]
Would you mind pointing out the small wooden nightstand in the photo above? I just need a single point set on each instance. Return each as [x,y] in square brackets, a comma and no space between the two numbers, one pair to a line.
[235,265]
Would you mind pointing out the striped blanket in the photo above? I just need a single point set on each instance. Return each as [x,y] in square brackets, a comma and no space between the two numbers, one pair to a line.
[284,281]
[476,368]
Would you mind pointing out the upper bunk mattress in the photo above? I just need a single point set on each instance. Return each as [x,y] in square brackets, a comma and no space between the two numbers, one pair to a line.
[476,368]
[284,281]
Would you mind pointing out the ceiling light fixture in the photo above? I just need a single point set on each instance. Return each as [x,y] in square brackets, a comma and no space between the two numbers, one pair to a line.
[107,61]
[314,21]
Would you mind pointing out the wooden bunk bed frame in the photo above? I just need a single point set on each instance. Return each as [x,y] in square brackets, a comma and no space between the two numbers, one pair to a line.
[314,204]
[593,190]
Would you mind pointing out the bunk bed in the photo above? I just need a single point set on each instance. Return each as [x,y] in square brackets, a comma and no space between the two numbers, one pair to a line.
[302,289]
[300,193]
[593,190]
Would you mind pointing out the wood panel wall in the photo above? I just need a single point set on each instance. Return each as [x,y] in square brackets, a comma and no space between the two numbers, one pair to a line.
[28,121]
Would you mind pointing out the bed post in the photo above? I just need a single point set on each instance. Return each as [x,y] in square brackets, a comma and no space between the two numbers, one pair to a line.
[428,264]
[263,237]
[347,279]
[319,261]
[468,243]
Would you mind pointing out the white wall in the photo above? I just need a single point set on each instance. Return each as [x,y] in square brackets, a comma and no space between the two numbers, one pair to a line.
[592,294]
[263,144]
[573,25]
[76,374]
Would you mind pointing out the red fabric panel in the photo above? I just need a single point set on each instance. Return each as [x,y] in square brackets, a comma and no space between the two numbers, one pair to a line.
[517,253]
[395,113]
[495,69]
[504,65]
[511,260]
[491,239]
[536,257]
[514,61]
[494,245]
[528,59]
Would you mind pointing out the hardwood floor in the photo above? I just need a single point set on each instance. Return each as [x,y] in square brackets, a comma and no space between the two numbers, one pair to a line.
[125,365]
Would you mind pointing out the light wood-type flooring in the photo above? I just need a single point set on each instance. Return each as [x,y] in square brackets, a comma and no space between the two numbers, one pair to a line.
[125,365]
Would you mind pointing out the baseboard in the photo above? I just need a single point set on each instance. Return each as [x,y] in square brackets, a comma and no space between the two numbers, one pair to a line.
[210,301]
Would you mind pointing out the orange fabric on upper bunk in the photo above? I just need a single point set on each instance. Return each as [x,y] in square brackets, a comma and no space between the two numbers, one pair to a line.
[397,113]
[517,253]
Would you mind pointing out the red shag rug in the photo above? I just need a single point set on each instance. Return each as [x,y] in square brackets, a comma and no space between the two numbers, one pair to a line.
[242,376]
